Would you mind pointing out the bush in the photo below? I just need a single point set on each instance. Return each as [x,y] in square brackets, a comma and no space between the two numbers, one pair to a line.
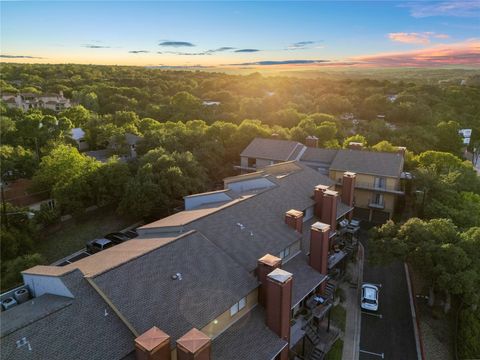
[469,334]
[336,351]
[11,269]
[47,216]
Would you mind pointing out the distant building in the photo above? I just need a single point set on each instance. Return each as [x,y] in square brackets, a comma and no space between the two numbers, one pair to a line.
[78,135]
[210,103]
[27,101]
[378,173]
[18,193]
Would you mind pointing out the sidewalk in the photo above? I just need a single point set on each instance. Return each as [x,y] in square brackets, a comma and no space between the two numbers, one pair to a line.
[351,340]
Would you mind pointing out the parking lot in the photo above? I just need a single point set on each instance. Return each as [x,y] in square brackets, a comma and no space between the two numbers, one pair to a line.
[112,239]
[388,333]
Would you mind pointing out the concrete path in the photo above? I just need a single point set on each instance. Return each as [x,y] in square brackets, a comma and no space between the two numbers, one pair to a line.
[351,340]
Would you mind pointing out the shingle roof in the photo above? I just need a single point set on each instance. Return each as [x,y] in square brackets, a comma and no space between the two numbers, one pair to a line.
[368,162]
[262,215]
[319,155]
[87,329]
[359,161]
[305,278]
[107,259]
[145,293]
[272,149]
[248,339]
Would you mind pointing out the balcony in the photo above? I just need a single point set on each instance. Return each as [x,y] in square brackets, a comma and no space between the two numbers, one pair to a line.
[397,190]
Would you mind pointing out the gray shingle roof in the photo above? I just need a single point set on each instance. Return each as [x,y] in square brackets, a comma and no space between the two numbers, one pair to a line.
[305,278]
[248,339]
[364,162]
[80,330]
[368,162]
[319,155]
[272,149]
[145,293]
[262,215]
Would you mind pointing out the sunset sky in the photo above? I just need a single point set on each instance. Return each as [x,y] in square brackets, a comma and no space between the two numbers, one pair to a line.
[240,34]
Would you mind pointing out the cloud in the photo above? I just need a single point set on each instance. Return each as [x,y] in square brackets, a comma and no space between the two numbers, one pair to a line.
[422,38]
[19,57]
[91,46]
[456,8]
[206,52]
[176,43]
[281,62]
[138,51]
[246,50]
[300,45]
[224,48]
[464,53]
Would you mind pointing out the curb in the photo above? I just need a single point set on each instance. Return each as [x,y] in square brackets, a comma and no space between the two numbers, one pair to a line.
[416,321]
[360,259]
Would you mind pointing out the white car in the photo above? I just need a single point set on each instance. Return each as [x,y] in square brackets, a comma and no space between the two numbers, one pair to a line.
[369,297]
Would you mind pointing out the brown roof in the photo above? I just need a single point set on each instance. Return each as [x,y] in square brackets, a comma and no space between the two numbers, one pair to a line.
[107,259]
[152,338]
[193,340]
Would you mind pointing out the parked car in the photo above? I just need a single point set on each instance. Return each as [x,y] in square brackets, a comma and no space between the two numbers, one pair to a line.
[117,237]
[369,297]
[97,245]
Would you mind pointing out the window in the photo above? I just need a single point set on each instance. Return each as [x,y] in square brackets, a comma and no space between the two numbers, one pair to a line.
[238,306]
[284,253]
[380,182]
[378,199]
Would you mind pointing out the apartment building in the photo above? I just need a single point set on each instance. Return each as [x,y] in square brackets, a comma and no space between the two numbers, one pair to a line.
[379,175]
[227,278]
[27,101]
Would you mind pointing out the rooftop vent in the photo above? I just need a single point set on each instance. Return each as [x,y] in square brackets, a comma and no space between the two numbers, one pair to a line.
[241,226]
[177,276]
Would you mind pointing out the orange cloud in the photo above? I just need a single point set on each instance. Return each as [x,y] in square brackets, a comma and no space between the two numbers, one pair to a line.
[422,38]
[462,53]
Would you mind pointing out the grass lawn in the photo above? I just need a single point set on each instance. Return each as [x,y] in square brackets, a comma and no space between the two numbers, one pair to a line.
[335,352]
[339,316]
[70,236]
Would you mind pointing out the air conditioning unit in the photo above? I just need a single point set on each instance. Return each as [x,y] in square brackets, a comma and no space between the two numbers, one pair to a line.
[9,303]
[22,295]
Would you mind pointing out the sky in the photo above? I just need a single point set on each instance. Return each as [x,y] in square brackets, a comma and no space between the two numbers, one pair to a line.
[242,34]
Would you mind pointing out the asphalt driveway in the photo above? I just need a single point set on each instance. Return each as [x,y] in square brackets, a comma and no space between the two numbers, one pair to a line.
[389,333]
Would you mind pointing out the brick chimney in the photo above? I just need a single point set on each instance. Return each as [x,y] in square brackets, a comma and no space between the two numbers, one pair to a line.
[153,344]
[348,190]
[329,209]
[311,141]
[401,150]
[279,303]
[194,345]
[319,245]
[318,198]
[355,145]
[294,219]
[265,266]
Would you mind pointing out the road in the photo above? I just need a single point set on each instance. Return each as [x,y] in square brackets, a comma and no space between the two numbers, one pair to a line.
[389,334]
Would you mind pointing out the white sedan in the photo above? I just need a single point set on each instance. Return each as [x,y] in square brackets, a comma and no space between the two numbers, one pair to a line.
[369,297]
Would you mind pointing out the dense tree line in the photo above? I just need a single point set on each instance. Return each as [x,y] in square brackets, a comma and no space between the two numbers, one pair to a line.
[189,145]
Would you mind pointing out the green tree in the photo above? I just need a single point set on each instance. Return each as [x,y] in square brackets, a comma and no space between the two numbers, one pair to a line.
[162,179]
[355,138]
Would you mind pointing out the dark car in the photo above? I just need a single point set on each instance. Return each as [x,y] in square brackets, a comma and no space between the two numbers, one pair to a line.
[97,245]
[117,237]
